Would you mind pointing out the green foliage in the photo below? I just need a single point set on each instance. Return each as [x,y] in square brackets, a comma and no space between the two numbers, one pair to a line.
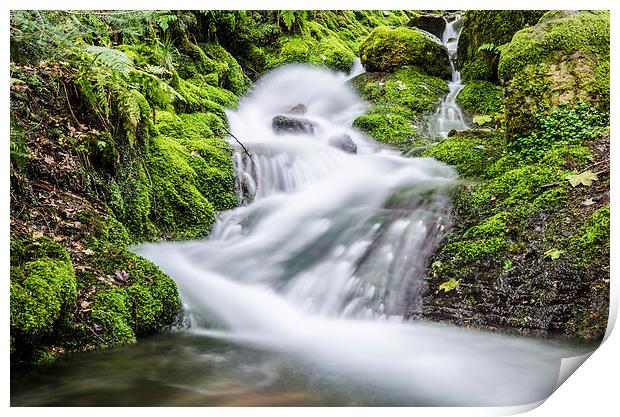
[565,126]
[387,49]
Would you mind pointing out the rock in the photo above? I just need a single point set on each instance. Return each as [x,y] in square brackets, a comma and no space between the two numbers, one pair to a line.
[296,125]
[431,23]
[491,27]
[387,49]
[343,142]
[563,59]
[299,108]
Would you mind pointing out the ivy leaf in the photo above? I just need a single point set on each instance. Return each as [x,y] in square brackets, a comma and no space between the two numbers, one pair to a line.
[449,285]
[553,254]
[585,178]
[482,119]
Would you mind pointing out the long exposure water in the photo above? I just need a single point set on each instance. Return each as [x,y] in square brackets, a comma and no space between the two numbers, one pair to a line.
[297,295]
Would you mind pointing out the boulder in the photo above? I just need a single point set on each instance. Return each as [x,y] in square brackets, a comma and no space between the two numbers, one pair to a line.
[491,28]
[431,23]
[296,125]
[387,49]
[343,142]
[563,59]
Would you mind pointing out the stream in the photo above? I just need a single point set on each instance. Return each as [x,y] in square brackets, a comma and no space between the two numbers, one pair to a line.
[297,296]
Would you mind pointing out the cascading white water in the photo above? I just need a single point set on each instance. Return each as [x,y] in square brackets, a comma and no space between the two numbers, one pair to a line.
[327,250]
[449,115]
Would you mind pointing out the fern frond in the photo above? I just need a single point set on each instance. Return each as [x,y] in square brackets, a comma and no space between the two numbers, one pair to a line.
[113,58]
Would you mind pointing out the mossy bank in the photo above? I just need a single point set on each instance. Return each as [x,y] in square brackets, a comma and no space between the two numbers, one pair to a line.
[118,123]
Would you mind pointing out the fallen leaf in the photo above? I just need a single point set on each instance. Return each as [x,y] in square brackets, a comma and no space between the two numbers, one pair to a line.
[584,178]
[449,285]
[482,119]
[553,254]
[122,276]
[588,202]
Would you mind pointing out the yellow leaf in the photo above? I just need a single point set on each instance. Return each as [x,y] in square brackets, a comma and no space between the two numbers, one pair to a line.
[584,178]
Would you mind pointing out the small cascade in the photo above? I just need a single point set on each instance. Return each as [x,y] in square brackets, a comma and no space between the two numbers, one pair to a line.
[449,115]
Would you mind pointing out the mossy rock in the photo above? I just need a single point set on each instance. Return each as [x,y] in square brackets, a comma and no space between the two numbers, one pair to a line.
[493,269]
[563,59]
[387,49]
[399,103]
[481,98]
[43,293]
[491,28]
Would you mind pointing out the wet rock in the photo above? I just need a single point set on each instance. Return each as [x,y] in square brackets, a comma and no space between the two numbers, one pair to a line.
[343,142]
[431,23]
[287,124]
[299,108]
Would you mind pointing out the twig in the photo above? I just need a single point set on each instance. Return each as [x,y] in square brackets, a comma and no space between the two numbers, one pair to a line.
[91,329]
[239,142]
[64,87]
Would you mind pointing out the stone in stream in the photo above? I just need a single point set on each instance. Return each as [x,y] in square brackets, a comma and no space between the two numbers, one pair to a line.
[299,108]
[431,23]
[296,125]
[343,142]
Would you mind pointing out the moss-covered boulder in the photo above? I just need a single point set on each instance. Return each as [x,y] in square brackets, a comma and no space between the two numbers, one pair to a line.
[563,59]
[399,103]
[43,294]
[387,49]
[484,31]
[525,253]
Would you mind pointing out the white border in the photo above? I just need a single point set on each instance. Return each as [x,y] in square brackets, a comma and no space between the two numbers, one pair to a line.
[593,388]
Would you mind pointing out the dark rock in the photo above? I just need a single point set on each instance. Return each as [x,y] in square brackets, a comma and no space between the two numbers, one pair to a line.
[298,109]
[431,23]
[343,142]
[287,124]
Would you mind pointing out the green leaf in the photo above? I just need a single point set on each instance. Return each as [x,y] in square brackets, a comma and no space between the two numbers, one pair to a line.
[507,265]
[585,178]
[482,119]
[449,285]
[553,254]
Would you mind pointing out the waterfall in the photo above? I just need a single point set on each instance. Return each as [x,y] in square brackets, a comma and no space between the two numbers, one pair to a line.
[449,115]
[329,247]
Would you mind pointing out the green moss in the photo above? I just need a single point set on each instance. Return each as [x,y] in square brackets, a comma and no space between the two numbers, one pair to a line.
[43,293]
[481,97]
[470,152]
[497,225]
[593,241]
[563,59]
[472,250]
[567,33]
[492,28]
[387,49]
[230,75]
[111,314]
[400,100]
[389,124]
